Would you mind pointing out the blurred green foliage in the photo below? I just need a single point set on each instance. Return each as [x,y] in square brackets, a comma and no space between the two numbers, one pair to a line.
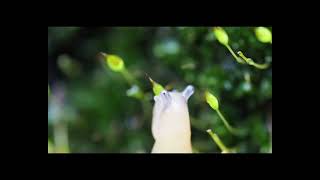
[91,108]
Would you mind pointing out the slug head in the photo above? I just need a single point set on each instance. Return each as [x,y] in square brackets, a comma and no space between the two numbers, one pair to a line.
[174,100]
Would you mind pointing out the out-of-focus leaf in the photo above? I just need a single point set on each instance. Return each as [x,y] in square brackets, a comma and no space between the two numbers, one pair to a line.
[135,92]
[50,147]
[68,65]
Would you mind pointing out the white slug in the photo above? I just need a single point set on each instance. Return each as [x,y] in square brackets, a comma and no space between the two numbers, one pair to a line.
[170,122]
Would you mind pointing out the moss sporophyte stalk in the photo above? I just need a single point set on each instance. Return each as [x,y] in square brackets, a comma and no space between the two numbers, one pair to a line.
[214,104]
[218,141]
[262,33]
[116,64]
[223,38]
[251,62]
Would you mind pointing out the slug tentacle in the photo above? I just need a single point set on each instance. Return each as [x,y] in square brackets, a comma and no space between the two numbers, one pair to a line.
[187,92]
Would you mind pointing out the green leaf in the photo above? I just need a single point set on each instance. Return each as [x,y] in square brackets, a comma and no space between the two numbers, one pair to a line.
[221,35]
[212,100]
[114,62]
[263,34]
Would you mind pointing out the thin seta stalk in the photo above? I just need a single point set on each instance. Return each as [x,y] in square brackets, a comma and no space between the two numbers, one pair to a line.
[129,77]
[214,104]
[218,141]
[251,62]
[226,123]
[234,55]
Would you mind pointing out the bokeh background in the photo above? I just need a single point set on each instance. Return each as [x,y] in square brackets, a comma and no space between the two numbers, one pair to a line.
[92,109]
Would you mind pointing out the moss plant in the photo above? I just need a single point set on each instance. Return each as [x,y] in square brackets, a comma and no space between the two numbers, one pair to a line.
[214,104]
[223,38]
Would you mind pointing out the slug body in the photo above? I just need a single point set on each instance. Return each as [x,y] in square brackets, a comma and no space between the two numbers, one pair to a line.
[171,123]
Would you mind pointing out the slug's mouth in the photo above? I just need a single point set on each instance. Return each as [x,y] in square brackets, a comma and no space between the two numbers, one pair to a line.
[163,97]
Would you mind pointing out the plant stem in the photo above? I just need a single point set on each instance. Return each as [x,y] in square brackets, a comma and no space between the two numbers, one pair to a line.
[234,55]
[128,77]
[218,141]
[252,63]
[231,129]
[260,66]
